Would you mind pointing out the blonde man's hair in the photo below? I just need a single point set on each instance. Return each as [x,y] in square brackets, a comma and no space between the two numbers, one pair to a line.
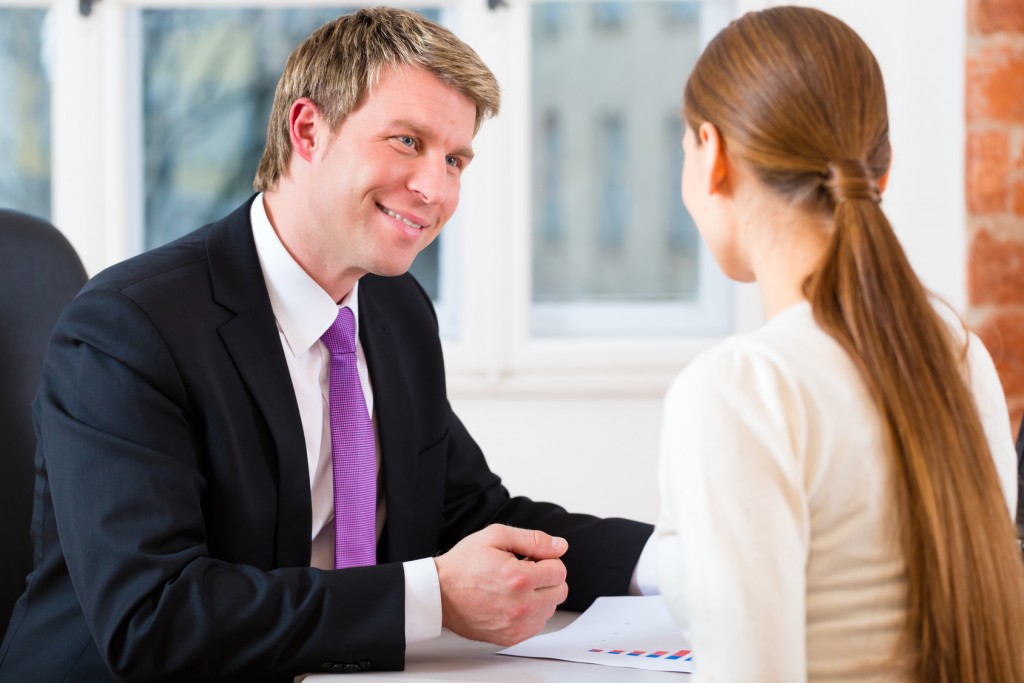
[340,62]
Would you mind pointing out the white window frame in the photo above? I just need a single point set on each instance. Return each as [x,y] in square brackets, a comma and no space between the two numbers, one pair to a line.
[97,202]
[497,355]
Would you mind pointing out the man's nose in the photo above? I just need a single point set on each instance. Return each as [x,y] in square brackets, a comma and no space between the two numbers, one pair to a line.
[429,179]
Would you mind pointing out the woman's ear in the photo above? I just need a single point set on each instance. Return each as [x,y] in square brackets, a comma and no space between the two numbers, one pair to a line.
[884,180]
[715,165]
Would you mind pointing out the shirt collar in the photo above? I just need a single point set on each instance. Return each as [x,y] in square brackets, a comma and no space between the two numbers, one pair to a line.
[303,309]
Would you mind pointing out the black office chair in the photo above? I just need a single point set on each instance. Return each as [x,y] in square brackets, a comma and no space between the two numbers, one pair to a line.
[39,274]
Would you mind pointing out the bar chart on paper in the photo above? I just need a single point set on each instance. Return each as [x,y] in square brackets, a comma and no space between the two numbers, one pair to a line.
[634,632]
[685,655]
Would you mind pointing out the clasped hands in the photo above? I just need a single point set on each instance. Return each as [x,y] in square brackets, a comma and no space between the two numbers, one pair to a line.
[489,594]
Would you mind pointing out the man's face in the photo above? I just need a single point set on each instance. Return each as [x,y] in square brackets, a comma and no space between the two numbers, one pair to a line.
[388,180]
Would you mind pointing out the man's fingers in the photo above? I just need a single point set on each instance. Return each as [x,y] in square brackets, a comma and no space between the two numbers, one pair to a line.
[544,573]
[552,596]
[530,543]
[487,594]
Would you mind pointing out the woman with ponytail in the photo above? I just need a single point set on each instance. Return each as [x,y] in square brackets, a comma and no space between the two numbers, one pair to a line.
[837,485]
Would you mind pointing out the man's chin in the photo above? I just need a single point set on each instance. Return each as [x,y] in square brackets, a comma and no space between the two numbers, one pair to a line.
[395,262]
[392,269]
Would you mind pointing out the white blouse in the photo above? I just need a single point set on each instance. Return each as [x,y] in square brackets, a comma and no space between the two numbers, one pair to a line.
[777,545]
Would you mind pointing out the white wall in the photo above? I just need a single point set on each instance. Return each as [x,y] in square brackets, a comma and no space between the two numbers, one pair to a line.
[921,51]
[589,455]
[599,455]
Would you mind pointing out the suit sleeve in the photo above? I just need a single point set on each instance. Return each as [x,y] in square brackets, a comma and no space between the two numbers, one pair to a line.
[128,478]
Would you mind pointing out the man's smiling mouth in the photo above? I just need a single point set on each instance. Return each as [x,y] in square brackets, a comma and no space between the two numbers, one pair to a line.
[400,217]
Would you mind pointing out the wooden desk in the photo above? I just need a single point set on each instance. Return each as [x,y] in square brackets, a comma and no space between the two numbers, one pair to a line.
[452,658]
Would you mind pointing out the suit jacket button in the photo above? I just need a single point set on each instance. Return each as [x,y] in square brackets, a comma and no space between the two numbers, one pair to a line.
[327,666]
[351,669]
[365,666]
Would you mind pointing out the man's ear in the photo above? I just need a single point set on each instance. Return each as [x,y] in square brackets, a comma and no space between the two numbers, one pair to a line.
[304,126]
[715,164]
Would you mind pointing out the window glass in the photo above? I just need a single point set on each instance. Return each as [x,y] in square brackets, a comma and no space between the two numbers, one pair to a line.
[548,165]
[24,111]
[683,241]
[613,162]
[610,14]
[208,86]
[609,226]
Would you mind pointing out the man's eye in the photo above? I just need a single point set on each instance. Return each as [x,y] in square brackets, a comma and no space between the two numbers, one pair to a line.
[407,141]
[453,161]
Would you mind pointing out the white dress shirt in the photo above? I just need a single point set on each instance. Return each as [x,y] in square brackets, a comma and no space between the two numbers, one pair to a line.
[304,311]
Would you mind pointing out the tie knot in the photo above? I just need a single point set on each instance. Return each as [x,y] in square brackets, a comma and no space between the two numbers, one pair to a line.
[340,337]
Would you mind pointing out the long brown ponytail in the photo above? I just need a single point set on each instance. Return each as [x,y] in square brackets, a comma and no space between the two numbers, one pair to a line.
[798,97]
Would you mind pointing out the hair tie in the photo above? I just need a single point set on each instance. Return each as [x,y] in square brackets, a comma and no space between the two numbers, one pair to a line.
[851,180]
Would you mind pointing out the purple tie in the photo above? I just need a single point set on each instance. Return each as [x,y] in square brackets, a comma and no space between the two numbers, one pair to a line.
[353,454]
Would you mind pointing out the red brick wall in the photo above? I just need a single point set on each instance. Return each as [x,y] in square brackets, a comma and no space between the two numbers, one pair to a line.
[995,186]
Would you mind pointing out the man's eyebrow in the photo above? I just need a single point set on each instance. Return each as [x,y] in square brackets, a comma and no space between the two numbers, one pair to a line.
[421,132]
[464,152]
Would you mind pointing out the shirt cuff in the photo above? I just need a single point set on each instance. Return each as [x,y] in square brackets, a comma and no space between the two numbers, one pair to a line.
[422,601]
[645,576]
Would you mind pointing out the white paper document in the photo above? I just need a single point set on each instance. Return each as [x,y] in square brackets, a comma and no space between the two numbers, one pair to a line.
[634,632]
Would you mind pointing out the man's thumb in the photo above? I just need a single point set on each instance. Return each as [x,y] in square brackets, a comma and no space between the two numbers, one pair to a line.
[535,544]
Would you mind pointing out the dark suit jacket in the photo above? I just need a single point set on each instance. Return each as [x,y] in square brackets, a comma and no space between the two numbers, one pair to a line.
[172,514]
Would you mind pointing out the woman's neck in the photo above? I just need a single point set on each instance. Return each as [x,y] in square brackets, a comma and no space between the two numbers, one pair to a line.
[788,244]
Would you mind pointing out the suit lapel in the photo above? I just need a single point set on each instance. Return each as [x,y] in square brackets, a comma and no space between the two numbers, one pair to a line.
[252,342]
[393,408]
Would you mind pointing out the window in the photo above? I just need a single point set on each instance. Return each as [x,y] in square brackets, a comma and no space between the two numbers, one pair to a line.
[570,256]
[681,235]
[24,111]
[632,264]
[549,19]
[610,15]
[681,11]
[613,155]
[548,161]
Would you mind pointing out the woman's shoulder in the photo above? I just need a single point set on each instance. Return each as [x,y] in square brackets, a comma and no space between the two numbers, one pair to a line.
[788,371]
[785,346]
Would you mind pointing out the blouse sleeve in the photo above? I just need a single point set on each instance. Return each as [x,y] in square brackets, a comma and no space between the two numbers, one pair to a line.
[992,410]
[733,532]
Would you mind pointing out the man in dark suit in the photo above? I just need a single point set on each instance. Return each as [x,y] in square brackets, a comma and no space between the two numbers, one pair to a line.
[183,519]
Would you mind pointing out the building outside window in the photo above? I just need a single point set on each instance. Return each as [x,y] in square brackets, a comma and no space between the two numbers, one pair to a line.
[630,262]
[145,119]
[24,111]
